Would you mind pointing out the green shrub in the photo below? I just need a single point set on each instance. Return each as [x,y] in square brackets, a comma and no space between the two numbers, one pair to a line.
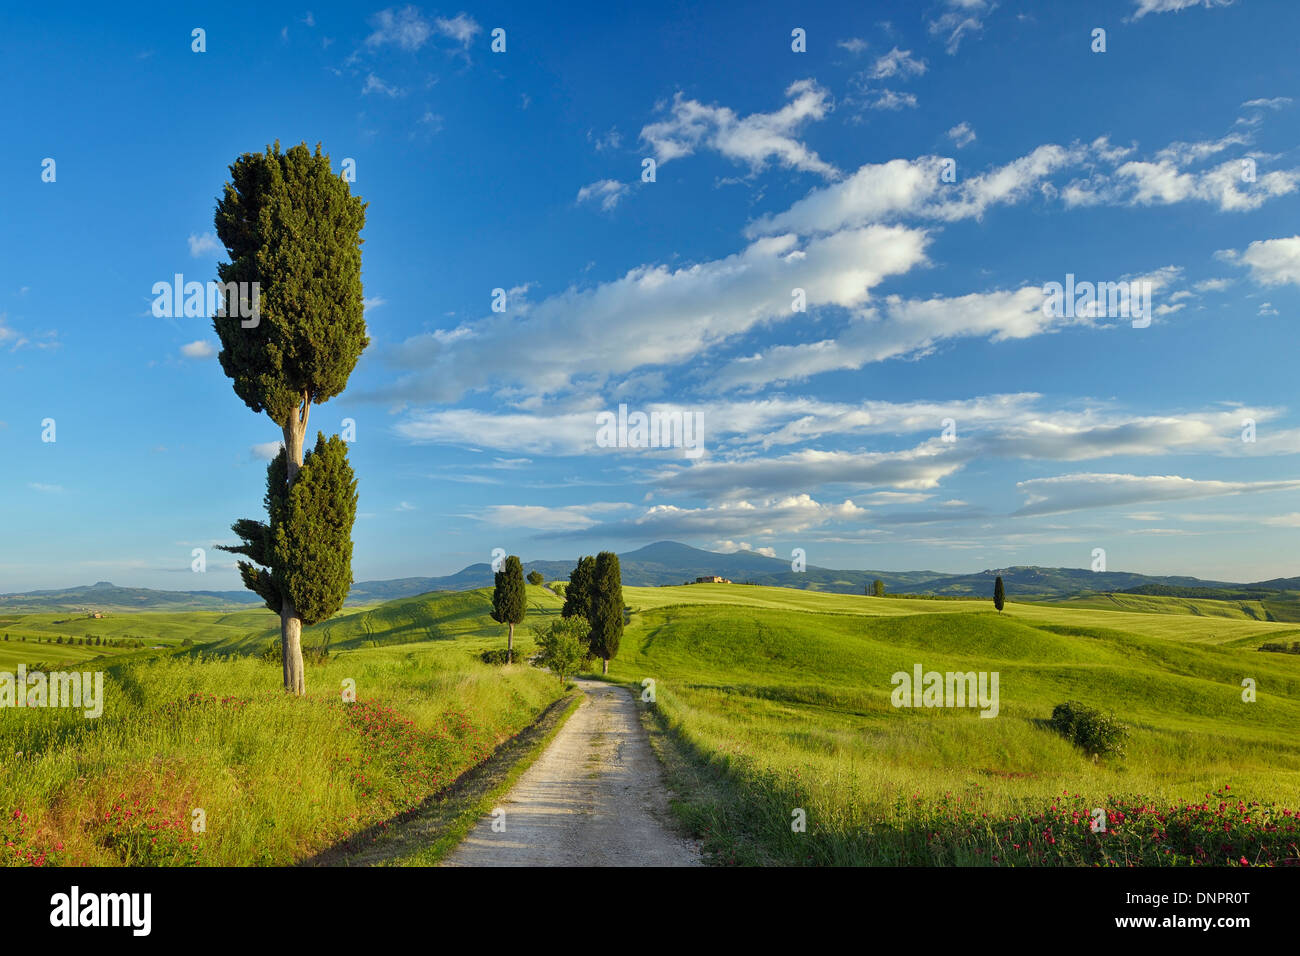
[1281,647]
[1098,733]
[498,655]
[564,644]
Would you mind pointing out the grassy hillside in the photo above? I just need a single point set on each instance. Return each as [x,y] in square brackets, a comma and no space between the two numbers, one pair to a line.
[768,701]
[775,706]
[279,780]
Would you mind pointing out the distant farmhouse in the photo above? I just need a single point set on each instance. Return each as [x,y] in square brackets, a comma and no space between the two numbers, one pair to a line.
[711,579]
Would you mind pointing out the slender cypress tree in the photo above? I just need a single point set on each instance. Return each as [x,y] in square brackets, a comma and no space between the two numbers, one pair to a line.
[290,225]
[606,608]
[577,596]
[508,601]
[999,594]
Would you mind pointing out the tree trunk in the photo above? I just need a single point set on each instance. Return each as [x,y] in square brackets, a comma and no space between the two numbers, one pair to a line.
[510,645]
[604,665]
[295,430]
[291,643]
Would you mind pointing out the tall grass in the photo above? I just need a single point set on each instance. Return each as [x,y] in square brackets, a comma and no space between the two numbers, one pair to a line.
[775,711]
[276,779]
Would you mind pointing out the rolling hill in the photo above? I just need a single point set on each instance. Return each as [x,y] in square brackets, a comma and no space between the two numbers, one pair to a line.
[671,563]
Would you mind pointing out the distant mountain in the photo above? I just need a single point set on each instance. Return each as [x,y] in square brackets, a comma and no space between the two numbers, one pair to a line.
[1029,581]
[666,563]
[104,596]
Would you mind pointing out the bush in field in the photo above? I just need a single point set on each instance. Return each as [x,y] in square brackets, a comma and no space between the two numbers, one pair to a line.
[535,579]
[498,656]
[1098,733]
[564,644]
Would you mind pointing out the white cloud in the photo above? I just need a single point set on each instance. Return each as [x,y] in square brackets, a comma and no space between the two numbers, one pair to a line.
[202,245]
[1272,103]
[960,19]
[1173,6]
[753,139]
[1163,182]
[904,327]
[404,28]
[727,546]
[914,469]
[373,302]
[607,192]
[896,63]
[962,135]
[462,28]
[691,308]
[375,85]
[900,187]
[854,45]
[1079,491]
[44,488]
[1271,261]
[537,517]
[887,100]
[199,349]
[790,514]
[267,450]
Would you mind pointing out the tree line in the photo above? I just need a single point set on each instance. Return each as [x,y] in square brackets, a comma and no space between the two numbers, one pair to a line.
[591,619]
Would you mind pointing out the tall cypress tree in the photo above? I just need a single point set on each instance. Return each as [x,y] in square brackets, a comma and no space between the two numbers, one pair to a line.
[508,601]
[999,594]
[577,596]
[606,608]
[293,227]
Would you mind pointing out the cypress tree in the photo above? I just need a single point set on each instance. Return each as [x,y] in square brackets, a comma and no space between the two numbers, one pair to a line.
[999,594]
[290,225]
[606,608]
[577,596]
[508,600]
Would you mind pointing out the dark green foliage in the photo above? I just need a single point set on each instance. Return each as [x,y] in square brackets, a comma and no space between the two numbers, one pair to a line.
[291,225]
[1277,647]
[1096,732]
[577,596]
[564,644]
[878,588]
[306,549]
[509,600]
[314,654]
[535,579]
[508,593]
[606,607]
[999,594]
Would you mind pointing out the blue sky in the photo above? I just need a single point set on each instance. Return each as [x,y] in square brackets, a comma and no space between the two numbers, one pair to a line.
[820,170]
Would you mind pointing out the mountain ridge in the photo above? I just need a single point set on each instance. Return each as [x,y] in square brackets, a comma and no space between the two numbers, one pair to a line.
[660,563]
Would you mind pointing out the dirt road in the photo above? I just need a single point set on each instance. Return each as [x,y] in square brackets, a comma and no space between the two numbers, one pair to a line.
[596,797]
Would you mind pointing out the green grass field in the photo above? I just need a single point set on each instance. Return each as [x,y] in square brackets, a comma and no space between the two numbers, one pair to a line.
[207,728]
[768,701]
[780,700]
